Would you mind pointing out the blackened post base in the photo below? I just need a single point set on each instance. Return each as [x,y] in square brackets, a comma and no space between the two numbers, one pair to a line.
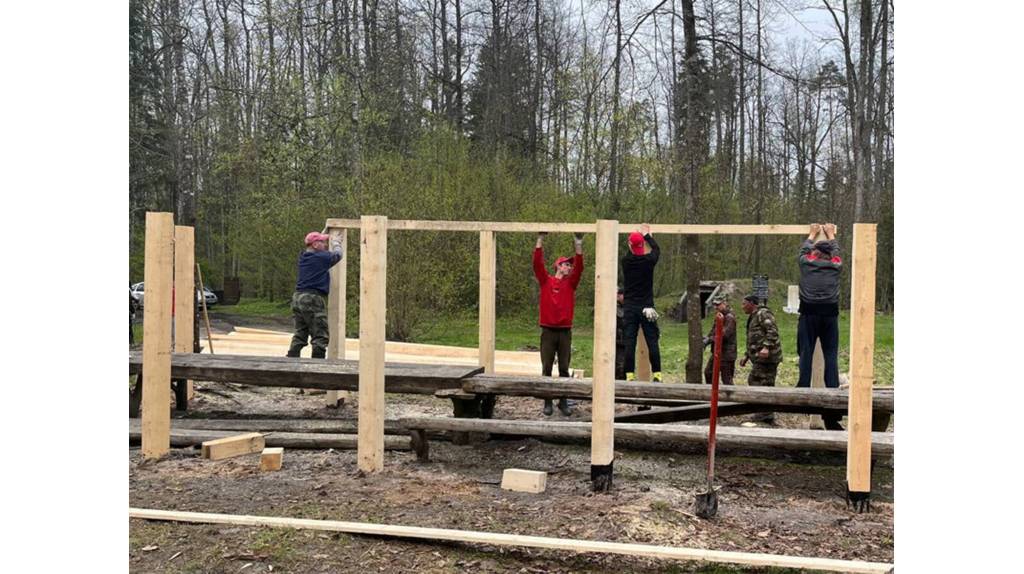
[601,477]
[860,501]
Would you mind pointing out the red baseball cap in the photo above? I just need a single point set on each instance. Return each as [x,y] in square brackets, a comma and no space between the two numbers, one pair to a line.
[314,236]
[562,260]
[636,243]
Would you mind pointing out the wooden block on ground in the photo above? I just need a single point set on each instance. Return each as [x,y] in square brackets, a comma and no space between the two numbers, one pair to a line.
[271,458]
[233,446]
[524,480]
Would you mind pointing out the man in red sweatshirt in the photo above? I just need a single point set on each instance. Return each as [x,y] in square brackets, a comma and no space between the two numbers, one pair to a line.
[557,302]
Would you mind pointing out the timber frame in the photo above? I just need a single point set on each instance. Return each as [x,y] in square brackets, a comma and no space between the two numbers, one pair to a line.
[160,249]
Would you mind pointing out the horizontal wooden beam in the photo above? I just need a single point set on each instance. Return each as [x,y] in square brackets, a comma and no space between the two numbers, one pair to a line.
[546,387]
[185,438]
[562,227]
[738,437]
[496,539]
[234,445]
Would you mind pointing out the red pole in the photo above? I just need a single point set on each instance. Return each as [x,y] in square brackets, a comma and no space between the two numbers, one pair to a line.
[719,321]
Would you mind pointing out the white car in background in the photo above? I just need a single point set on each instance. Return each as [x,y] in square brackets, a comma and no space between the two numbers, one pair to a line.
[138,293]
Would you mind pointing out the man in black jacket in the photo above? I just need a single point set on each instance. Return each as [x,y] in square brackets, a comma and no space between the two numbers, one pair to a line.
[638,301]
[820,267]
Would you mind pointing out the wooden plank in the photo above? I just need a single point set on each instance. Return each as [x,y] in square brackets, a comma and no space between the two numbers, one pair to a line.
[336,310]
[496,539]
[488,305]
[562,227]
[271,458]
[606,269]
[862,350]
[519,480]
[372,308]
[726,437]
[696,412]
[643,358]
[184,293]
[183,438]
[546,387]
[303,426]
[237,445]
[156,343]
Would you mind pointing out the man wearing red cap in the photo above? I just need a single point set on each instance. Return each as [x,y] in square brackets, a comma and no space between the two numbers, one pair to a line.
[557,303]
[309,302]
[638,301]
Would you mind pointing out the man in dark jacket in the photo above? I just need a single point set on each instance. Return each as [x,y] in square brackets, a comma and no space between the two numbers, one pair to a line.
[638,301]
[557,305]
[727,360]
[764,347]
[820,267]
[309,301]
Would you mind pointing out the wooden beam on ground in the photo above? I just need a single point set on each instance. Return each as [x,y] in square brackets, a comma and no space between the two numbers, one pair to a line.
[488,305]
[336,302]
[271,458]
[184,293]
[323,374]
[303,426]
[546,387]
[727,437]
[156,343]
[519,480]
[236,445]
[696,412]
[561,227]
[606,270]
[186,437]
[372,308]
[862,350]
[496,539]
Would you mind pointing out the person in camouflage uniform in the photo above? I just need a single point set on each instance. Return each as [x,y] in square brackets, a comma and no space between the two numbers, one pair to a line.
[309,301]
[727,367]
[764,347]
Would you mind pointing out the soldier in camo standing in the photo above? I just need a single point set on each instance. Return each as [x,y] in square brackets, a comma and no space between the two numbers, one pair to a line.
[764,347]
[309,302]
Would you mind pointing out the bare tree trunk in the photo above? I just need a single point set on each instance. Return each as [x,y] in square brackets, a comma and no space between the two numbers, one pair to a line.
[613,180]
[692,131]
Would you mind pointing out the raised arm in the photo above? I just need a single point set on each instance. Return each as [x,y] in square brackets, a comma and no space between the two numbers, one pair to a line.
[539,271]
[655,253]
[577,264]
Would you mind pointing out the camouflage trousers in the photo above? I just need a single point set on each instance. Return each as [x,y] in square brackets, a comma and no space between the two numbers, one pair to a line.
[310,313]
[763,375]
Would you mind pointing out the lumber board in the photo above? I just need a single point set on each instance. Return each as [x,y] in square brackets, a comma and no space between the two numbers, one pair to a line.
[234,445]
[184,293]
[308,426]
[862,347]
[519,480]
[156,343]
[563,227]
[323,374]
[184,438]
[271,458]
[336,309]
[688,413]
[545,387]
[739,437]
[488,302]
[372,306]
[497,539]
[606,271]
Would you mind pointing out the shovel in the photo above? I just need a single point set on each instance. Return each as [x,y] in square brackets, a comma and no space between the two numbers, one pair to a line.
[706,504]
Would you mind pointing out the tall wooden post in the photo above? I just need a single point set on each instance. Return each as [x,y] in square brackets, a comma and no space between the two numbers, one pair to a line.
[643,357]
[156,343]
[606,270]
[373,268]
[184,293]
[336,310]
[488,280]
[862,370]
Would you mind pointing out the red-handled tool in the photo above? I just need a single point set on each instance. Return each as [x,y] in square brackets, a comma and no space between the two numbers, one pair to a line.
[707,503]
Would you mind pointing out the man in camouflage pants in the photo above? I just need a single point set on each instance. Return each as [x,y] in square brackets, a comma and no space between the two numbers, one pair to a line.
[764,347]
[727,360]
[309,302]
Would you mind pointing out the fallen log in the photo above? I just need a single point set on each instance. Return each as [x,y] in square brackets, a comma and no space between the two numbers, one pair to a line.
[184,438]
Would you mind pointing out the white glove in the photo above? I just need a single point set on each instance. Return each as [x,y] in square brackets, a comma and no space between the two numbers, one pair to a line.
[650,314]
[336,245]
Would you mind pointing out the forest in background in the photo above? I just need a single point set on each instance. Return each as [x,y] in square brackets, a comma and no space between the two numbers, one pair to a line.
[256,120]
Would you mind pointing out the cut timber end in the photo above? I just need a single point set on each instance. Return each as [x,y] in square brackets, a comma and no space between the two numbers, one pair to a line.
[519,480]
[271,458]
[233,446]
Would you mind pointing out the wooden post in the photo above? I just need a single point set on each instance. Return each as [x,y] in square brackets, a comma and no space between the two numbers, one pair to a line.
[488,280]
[862,372]
[336,311]
[156,343]
[372,320]
[643,357]
[606,270]
[184,293]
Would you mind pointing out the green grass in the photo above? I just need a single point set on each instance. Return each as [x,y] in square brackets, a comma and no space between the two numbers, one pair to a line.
[251,307]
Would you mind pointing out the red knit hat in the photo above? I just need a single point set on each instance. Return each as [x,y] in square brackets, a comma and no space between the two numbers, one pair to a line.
[636,243]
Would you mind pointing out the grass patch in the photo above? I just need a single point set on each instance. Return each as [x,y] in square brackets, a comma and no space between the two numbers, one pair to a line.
[251,307]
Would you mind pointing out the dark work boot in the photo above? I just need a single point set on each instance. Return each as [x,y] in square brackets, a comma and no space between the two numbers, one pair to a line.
[563,406]
[319,353]
[294,352]
[548,408]
[831,423]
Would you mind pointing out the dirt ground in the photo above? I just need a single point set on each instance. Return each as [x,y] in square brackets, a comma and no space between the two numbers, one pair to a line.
[788,503]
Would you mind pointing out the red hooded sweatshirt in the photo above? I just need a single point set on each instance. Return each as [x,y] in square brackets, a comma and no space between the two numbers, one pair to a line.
[557,296]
